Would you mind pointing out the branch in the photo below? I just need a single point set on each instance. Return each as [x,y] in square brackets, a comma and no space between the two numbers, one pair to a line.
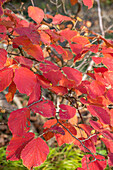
[76,139]
[32,3]
[108,28]
[35,102]
[95,159]
[100,18]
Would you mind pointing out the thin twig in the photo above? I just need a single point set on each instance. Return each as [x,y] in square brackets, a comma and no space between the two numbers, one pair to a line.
[100,18]
[32,3]
[108,28]
[88,138]
[35,102]
[76,139]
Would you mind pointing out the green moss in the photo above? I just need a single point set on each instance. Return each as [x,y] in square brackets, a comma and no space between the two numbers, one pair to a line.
[63,158]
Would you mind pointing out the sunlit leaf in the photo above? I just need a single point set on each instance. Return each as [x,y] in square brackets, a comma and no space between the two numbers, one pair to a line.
[36,14]
[34,153]
[25,80]
[88,3]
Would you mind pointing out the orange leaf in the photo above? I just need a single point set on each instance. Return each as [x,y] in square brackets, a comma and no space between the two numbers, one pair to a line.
[36,14]
[88,3]
[11,91]
[73,2]
[58,19]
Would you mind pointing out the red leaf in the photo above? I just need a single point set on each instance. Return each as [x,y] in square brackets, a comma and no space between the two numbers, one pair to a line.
[66,112]
[65,82]
[96,88]
[93,48]
[45,108]
[29,47]
[11,91]
[45,38]
[34,153]
[108,76]
[101,113]
[68,55]
[80,40]
[73,74]
[83,86]
[58,19]
[17,144]
[48,134]
[73,2]
[107,134]
[19,121]
[57,129]
[111,117]
[88,130]
[59,90]
[36,14]
[96,165]
[53,76]
[88,3]
[30,32]
[76,48]
[59,49]
[6,76]
[109,144]
[47,126]
[3,57]
[96,125]
[43,81]
[51,72]
[48,66]
[110,95]
[110,160]
[88,144]
[100,69]
[35,95]
[24,61]
[61,138]
[68,34]
[3,31]
[50,123]
[25,80]
[67,138]
[108,62]
[1,9]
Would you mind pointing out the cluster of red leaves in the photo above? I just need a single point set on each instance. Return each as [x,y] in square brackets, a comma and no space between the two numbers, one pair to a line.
[38,41]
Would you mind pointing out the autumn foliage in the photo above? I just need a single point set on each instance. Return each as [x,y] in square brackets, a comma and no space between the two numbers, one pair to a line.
[43,56]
